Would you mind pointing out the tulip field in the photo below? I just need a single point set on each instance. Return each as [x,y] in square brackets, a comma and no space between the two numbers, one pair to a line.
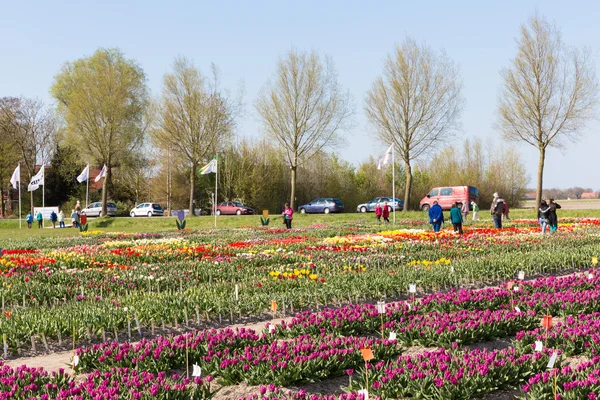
[340,310]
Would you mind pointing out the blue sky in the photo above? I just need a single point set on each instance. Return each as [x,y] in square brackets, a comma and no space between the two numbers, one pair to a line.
[245,39]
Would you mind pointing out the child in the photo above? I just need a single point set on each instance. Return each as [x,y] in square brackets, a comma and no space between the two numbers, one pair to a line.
[378,212]
[29,220]
[385,213]
[288,215]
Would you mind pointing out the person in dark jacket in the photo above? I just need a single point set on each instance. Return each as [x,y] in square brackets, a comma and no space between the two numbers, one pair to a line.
[543,215]
[436,216]
[552,217]
[53,218]
[497,209]
[456,218]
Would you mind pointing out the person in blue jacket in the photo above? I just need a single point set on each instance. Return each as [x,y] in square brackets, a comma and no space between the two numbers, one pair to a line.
[29,220]
[436,216]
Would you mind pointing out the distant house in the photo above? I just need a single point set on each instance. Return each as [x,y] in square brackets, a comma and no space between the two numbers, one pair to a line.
[530,196]
[590,195]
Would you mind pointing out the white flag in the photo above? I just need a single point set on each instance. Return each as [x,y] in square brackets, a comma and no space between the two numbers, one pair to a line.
[84,175]
[102,174]
[386,158]
[16,177]
[36,181]
[210,168]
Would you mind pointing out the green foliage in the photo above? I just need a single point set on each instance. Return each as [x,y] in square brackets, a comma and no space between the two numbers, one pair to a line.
[264,221]
[180,224]
[83,228]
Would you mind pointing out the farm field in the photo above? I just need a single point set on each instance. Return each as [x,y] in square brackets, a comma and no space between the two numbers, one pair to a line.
[338,308]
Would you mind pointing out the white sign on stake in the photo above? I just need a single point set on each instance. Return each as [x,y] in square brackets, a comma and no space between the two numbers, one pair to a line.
[517,309]
[75,360]
[364,392]
[412,288]
[521,275]
[590,276]
[381,307]
[552,360]
[516,288]
[539,346]
[271,328]
[237,289]
[392,336]
[197,371]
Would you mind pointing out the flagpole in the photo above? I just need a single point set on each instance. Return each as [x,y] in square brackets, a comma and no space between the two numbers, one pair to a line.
[20,227]
[43,196]
[87,184]
[216,186]
[394,183]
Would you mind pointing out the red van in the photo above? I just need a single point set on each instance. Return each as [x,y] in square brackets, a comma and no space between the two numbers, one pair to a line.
[447,195]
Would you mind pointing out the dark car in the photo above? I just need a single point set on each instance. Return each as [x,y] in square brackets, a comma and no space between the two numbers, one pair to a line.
[369,206]
[233,208]
[324,205]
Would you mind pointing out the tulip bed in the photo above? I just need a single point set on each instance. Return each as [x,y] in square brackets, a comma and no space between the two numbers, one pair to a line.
[102,286]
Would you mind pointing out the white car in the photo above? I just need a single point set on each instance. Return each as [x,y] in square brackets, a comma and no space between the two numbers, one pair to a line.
[147,210]
[95,209]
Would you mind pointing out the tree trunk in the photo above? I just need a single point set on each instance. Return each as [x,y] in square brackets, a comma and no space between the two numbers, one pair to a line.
[192,186]
[105,188]
[540,177]
[293,194]
[2,209]
[408,186]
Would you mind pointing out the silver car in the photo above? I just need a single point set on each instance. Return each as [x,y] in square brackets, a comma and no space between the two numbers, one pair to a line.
[95,209]
[147,210]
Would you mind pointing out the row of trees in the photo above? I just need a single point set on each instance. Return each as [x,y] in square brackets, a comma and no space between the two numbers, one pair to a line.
[105,114]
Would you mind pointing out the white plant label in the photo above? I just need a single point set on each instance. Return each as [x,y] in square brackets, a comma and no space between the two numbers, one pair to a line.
[452,269]
[590,276]
[412,288]
[75,360]
[516,288]
[380,307]
[538,346]
[237,289]
[392,336]
[552,360]
[197,371]
[364,392]
[517,309]
[521,275]
[271,328]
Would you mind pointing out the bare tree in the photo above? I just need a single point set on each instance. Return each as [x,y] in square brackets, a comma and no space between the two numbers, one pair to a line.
[549,91]
[416,103]
[195,116]
[30,125]
[303,108]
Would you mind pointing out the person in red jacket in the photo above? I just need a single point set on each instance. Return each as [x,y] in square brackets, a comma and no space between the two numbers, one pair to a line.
[378,212]
[385,213]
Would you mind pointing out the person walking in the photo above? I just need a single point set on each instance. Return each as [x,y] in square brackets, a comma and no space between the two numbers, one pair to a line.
[385,212]
[497,209]
[543,215]
[288,215]
[40,219]
[78,207]
[475,211]
[436,216]
[552,217]
[74,218]
[464,208]
[61,219]
[53,219]
[456,218]
[378,212]
[29,220]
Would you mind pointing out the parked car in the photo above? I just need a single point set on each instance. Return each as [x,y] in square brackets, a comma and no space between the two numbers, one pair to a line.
[95,209]
[369,206]
[233,208]
[147,210]
[322,205]
[447,195]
